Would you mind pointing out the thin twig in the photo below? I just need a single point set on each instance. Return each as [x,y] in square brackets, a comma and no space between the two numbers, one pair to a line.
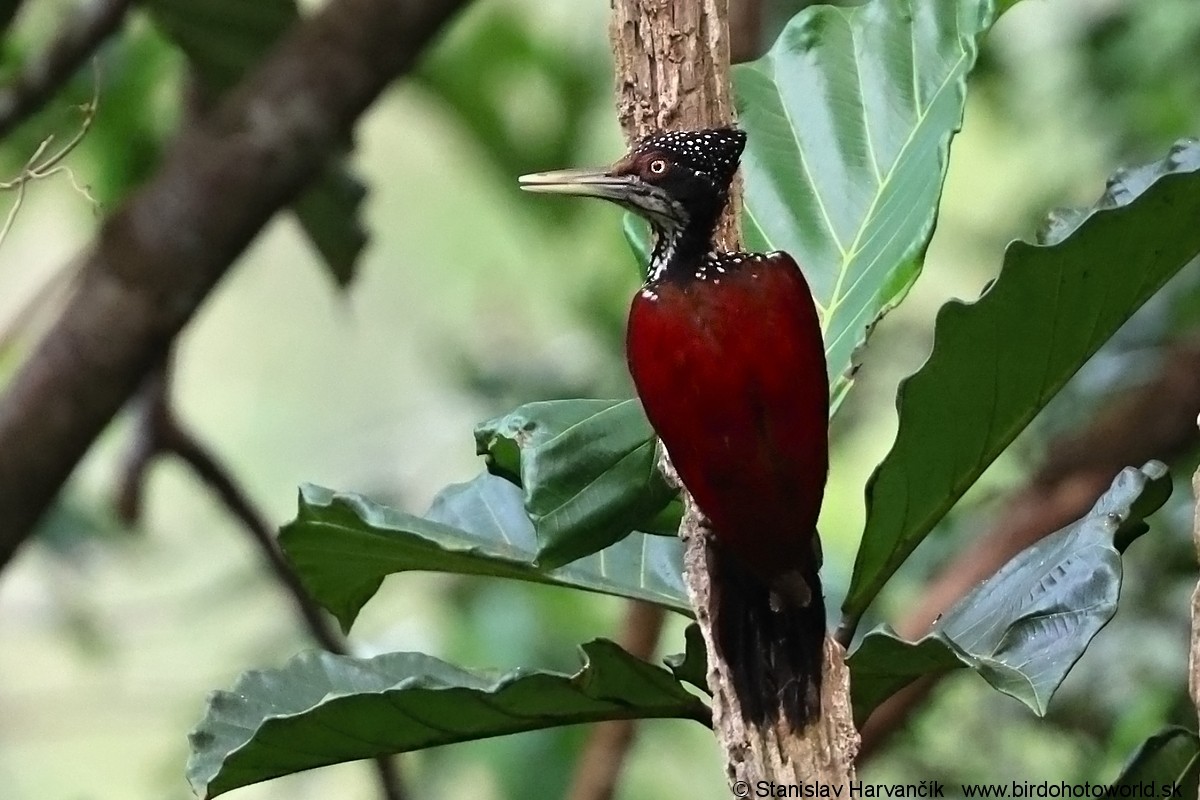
[39,166]
[44,75]
[159,432]
[609,743]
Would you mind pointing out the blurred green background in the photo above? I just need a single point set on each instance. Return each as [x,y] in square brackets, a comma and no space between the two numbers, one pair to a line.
[473,298]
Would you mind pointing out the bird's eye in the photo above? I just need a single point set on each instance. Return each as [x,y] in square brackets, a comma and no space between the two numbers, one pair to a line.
[658,166]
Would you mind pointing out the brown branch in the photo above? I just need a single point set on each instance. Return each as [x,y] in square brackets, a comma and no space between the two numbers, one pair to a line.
[1155,420]
[159,432]
[157,258]
[672,60]
[609,742]
[44,75]
[745,30]
[387,772]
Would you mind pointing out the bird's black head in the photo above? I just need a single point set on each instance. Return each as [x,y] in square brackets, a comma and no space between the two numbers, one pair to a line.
[678,180]
[687,175]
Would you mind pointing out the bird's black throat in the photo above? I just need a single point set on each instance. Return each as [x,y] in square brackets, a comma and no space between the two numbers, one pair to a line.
[680,251]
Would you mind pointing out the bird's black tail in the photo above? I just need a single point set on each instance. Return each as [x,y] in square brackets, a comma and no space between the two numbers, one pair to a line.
[773,642]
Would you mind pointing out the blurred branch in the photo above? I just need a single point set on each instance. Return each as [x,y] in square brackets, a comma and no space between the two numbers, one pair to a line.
[159,432]
[44,75]
[156,259]
[609,743]
[1155,420]
[745,30]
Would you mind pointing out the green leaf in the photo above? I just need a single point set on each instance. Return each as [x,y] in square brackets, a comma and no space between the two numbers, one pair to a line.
[322,709]
[328,213]
[883,663]
[588,469]
[1168,758]
[665,522]
[1026,626]
[998,361]
[223,40]
[849,118]
[637,236]
[343,546]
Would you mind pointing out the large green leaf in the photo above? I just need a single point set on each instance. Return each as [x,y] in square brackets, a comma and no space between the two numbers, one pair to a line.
[850,117]
[343,545]
[588,469]
[998,361]
[323,709]
[223,40]
[1170,758]
[1025,627]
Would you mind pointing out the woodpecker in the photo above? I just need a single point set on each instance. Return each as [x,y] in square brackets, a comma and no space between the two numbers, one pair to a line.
[726,354]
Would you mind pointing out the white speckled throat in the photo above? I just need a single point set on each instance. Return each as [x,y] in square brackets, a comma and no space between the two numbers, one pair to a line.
[683,247]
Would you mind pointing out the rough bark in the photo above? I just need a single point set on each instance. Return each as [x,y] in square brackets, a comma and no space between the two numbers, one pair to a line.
[672,60]
[157,258]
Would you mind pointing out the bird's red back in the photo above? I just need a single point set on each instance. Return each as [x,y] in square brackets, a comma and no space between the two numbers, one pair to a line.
[730,367]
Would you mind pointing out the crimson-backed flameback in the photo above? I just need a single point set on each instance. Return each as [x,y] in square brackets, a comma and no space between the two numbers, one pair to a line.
[726,353]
